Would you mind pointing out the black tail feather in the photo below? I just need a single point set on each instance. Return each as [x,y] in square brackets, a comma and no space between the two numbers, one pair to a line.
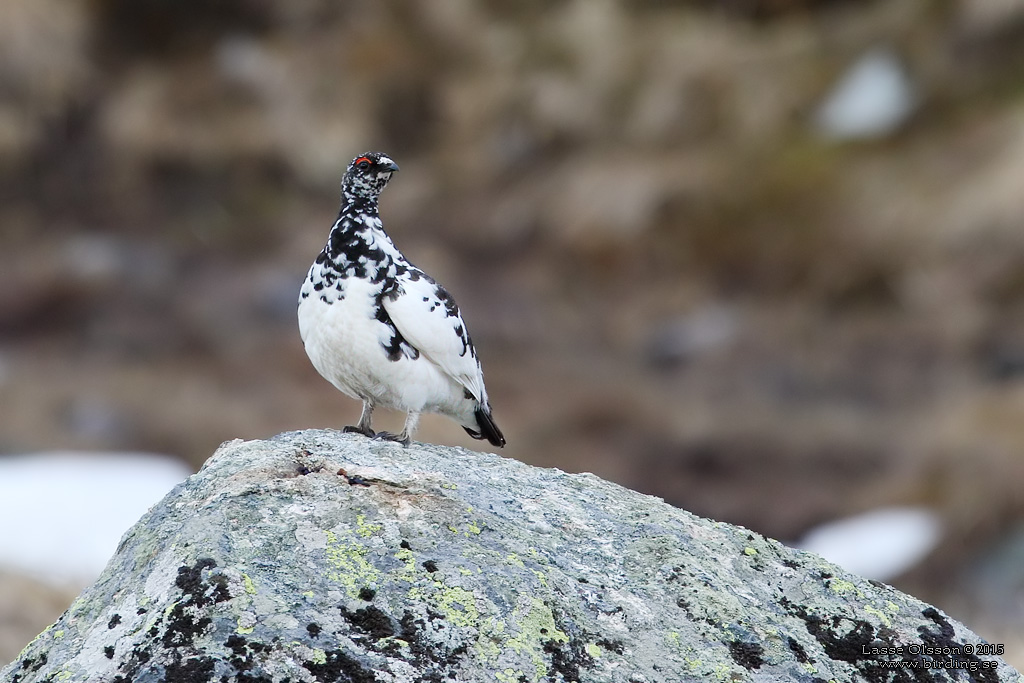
[488,430]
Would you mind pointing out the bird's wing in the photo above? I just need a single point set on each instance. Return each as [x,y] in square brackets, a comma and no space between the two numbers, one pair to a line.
[429,319]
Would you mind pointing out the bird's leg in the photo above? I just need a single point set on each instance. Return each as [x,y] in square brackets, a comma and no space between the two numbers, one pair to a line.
[405,438]
[364,421]
[411,420]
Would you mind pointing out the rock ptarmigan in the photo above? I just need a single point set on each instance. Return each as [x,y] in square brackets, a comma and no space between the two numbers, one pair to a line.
[383,331]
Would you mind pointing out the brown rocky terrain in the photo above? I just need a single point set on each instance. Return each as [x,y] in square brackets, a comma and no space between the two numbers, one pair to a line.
[674,280]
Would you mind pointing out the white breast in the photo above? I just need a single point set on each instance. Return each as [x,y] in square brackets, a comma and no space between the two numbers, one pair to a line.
[340,337]
[345,343]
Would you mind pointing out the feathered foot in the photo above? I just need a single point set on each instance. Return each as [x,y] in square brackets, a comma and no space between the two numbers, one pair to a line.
[402,438]
[364,422]
[405,438]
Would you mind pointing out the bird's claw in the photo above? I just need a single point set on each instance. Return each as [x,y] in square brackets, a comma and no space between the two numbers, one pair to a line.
[397,438]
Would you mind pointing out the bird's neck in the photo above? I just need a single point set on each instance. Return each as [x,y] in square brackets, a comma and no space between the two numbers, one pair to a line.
[358,235]
[353,203]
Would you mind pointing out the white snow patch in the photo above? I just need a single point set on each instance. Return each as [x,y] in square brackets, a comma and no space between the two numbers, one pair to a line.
[871,100]
[62,514]
[880,544]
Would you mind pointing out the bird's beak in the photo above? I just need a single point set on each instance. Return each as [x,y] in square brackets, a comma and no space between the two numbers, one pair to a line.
[391,166]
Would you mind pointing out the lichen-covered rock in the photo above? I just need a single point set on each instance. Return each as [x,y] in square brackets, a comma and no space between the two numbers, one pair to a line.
[318,556]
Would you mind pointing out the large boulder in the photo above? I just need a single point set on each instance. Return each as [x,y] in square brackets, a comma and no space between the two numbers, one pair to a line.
[321,556]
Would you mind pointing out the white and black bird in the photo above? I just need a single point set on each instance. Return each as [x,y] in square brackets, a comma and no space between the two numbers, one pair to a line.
[383,331]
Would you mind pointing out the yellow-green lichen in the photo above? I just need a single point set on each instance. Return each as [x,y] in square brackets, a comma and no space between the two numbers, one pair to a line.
[722,672]
[366,530]
[57,635]
[319,656]
[347,558]
[715,668]
[457,604]
[593,650]
[491,632]
[535,628]
[24,650]
[750,551]
[509,675]
[892,606]
[466,615]
[882,616]
[841,586]
[408,560]
[250,587]
[513,559]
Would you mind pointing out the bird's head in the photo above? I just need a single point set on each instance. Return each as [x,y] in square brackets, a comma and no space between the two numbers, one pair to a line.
[367,175]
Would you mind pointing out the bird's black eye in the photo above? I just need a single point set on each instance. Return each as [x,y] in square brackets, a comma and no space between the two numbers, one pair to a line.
[362,163]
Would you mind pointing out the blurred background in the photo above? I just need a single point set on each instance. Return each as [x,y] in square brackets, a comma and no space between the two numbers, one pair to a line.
[761,258]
